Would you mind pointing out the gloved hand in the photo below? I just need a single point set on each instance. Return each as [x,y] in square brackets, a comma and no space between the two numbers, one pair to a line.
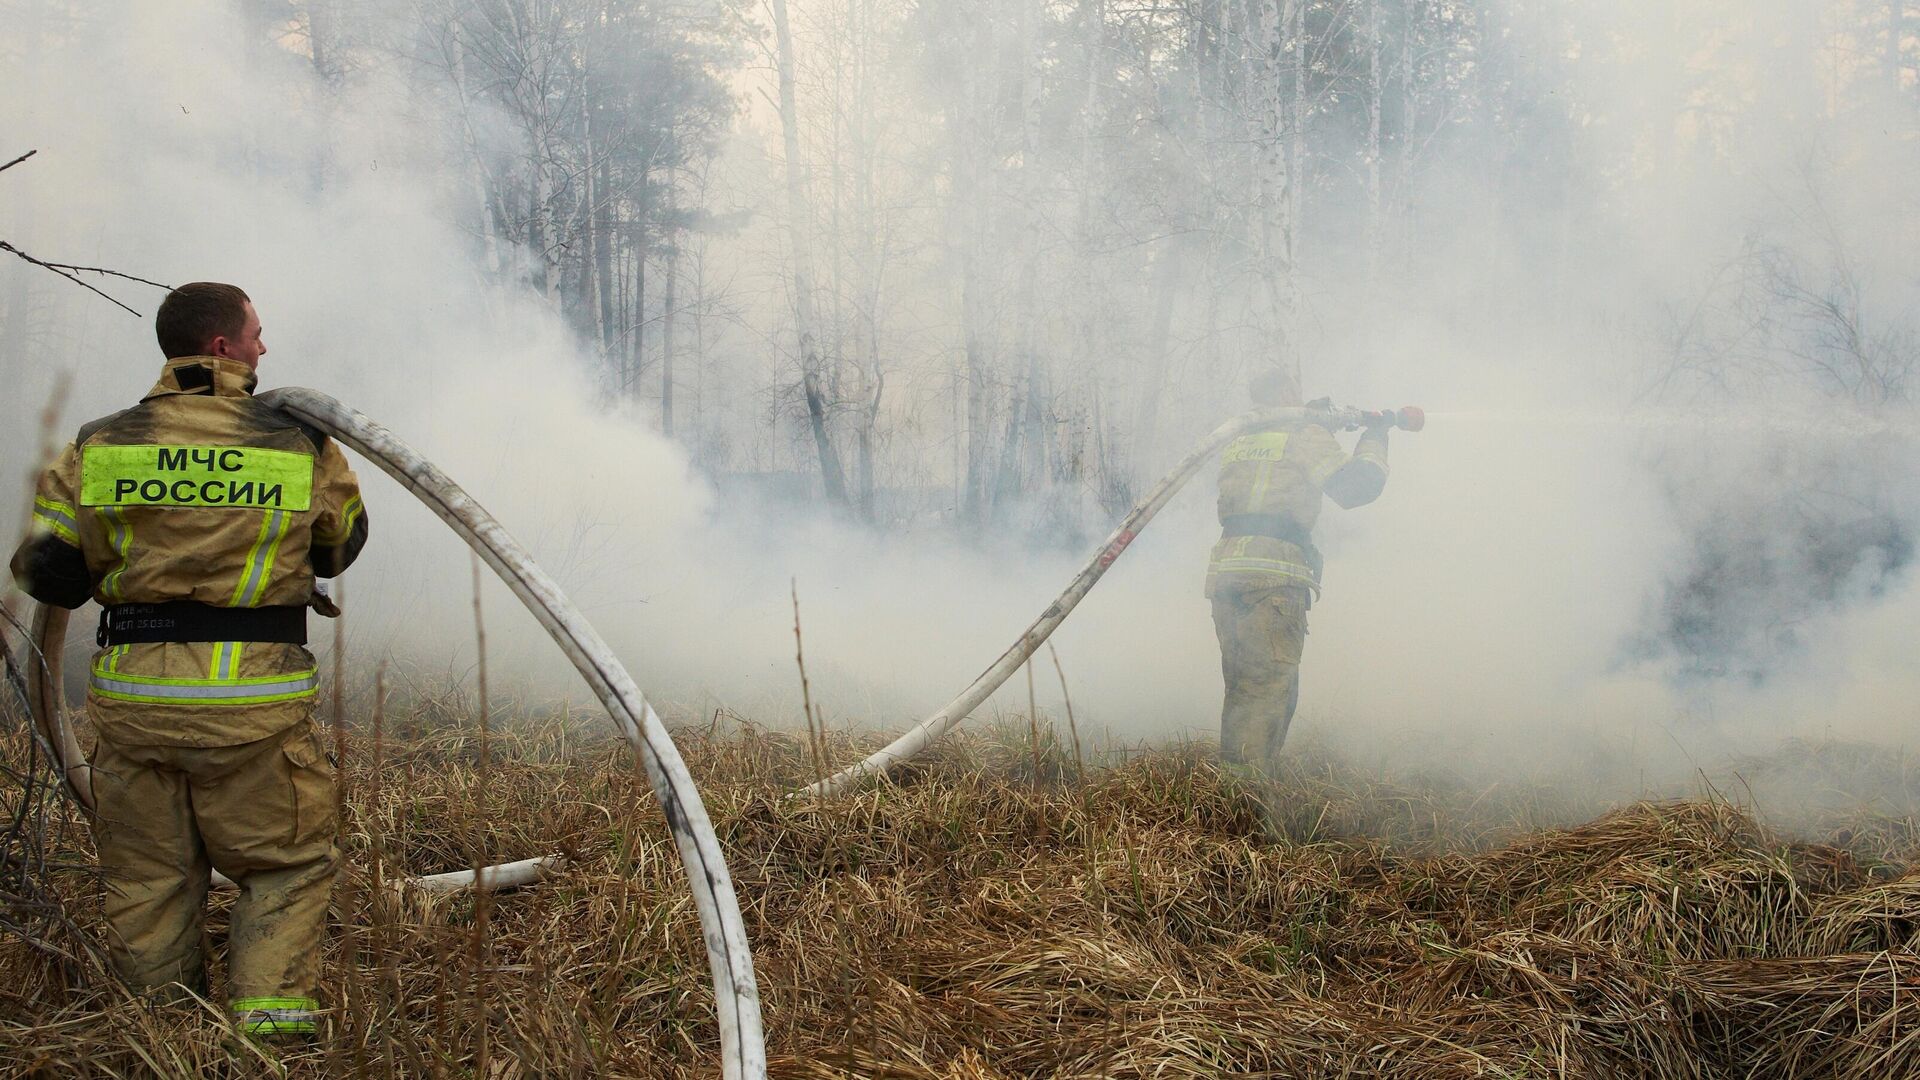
[323,604]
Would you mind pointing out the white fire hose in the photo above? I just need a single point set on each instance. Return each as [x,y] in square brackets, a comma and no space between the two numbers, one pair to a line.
[922,735]
[736,996]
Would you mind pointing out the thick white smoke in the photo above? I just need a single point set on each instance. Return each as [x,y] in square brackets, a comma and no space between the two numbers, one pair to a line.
[1483,603]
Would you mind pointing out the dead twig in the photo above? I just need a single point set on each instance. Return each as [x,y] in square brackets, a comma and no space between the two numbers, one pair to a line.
[480,951]
[816,733]
[4,246]
[1073,729]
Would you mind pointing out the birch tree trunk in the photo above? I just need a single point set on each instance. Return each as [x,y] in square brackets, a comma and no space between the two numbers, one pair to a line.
[979,384]
[873,378]
[593,275]
[1375,91]
[1093,17]
[1022,455]
[532,96]
[603,232]
[489,197]
[869,416]
[636,332]
[700,365]
[669,303]
[1409,128]
[972,133]
[1274,182]
[805,327]
[1297,157]
[538,238]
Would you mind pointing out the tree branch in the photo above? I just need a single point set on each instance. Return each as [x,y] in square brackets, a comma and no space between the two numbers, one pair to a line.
[4,246]
[109,273]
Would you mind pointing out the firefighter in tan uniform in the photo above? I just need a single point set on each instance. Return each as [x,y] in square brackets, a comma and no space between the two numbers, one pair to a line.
[199,520]
[1265,571]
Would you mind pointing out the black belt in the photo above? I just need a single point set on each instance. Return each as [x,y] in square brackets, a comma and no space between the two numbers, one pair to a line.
[189,620]
[1277,526]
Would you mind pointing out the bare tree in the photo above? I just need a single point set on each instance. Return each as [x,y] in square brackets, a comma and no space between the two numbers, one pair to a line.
[799,226]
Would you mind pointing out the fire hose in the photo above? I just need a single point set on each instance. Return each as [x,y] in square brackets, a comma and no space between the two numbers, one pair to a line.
[918,738]
[736,996]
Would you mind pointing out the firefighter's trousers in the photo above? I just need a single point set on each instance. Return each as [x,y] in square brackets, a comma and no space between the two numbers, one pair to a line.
[261,812]
[1262,634]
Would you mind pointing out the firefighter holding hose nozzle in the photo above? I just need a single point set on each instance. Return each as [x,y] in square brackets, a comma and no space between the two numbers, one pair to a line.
[199,520]
[1265,572]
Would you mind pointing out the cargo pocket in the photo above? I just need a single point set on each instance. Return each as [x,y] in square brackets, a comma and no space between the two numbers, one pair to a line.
[1289,623]
[310,779]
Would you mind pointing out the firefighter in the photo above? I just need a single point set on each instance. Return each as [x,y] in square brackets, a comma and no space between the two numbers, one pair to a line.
[1265,571]
[199,519]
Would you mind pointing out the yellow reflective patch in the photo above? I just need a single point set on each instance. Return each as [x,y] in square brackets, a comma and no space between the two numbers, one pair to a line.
[248,477]
[348,515]
[1263,446]
[275,1015]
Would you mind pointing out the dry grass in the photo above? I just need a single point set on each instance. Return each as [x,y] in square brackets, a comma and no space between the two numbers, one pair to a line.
[976,921]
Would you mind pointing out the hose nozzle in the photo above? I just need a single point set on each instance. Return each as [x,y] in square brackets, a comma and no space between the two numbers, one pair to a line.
[1406,418]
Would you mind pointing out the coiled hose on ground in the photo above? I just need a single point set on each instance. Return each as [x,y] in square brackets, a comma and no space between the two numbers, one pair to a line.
[736,996]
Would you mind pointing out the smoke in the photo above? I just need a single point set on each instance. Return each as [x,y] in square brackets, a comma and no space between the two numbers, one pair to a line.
[1538,579]
[1793,521]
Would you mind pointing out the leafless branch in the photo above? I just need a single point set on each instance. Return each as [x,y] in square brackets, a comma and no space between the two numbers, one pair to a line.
[18,160]
[70,276]
[109,273]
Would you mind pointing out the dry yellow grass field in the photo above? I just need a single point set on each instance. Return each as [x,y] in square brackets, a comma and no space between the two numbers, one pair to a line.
[1139,916]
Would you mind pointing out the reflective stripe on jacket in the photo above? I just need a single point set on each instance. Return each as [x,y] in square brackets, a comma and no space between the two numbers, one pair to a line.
[1285,471]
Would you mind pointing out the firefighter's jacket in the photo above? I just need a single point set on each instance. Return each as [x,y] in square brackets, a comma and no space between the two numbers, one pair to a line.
[1271,483]
[198,493]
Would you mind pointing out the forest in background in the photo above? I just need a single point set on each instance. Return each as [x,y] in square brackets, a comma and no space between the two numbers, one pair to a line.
[985,266]
[966,258]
